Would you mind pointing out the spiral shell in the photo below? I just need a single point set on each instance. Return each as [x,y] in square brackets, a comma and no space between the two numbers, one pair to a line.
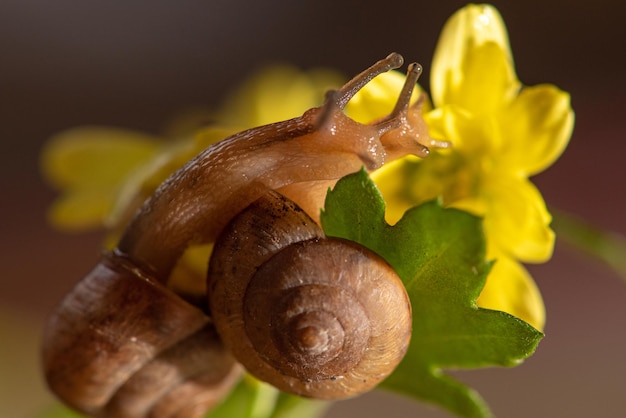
[314,316]
[123,345]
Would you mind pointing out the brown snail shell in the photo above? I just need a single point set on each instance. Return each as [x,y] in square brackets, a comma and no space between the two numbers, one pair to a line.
[116,331]
[314,316]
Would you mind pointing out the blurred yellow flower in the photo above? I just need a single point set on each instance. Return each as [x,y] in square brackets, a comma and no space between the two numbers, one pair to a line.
[502,133]
[91,165]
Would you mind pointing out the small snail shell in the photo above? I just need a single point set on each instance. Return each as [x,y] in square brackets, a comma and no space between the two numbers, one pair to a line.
[314,316]
[119,328]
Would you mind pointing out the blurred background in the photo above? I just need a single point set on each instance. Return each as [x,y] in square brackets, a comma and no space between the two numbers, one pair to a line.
[136,64]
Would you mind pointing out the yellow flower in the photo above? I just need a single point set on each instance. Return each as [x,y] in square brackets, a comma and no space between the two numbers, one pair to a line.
[502,133]
[91,165]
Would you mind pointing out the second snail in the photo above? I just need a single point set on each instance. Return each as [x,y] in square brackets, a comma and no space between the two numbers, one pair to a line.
[314,316]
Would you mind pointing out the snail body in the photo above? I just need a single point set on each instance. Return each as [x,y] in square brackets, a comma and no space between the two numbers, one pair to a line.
[123,344]
[322,145]
[314,316]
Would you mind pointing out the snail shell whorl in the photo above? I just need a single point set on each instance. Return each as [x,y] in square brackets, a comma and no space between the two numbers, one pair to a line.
[123,345]
[183,381]
[315,316]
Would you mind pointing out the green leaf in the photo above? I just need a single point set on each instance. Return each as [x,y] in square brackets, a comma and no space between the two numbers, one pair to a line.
[60,411]
[289,406]
[246,400]
[249,399]
[254,399]
[440,256]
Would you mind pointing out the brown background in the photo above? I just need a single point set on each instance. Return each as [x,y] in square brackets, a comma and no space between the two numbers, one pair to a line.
[134,64]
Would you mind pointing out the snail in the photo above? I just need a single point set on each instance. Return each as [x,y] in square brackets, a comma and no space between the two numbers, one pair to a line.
[314,316]
[121,325]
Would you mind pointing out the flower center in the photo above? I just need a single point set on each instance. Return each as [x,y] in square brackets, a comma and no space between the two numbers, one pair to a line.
[453,177]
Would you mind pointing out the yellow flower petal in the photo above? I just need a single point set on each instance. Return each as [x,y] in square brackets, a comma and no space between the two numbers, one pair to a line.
[473,66]
[474,205]
[538,126]
[277,93]
[77,211]
[394,183]
[517,221]
[378,98]
[189,275]
[90,165]
[95,156]
[469,134]
[510,289]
